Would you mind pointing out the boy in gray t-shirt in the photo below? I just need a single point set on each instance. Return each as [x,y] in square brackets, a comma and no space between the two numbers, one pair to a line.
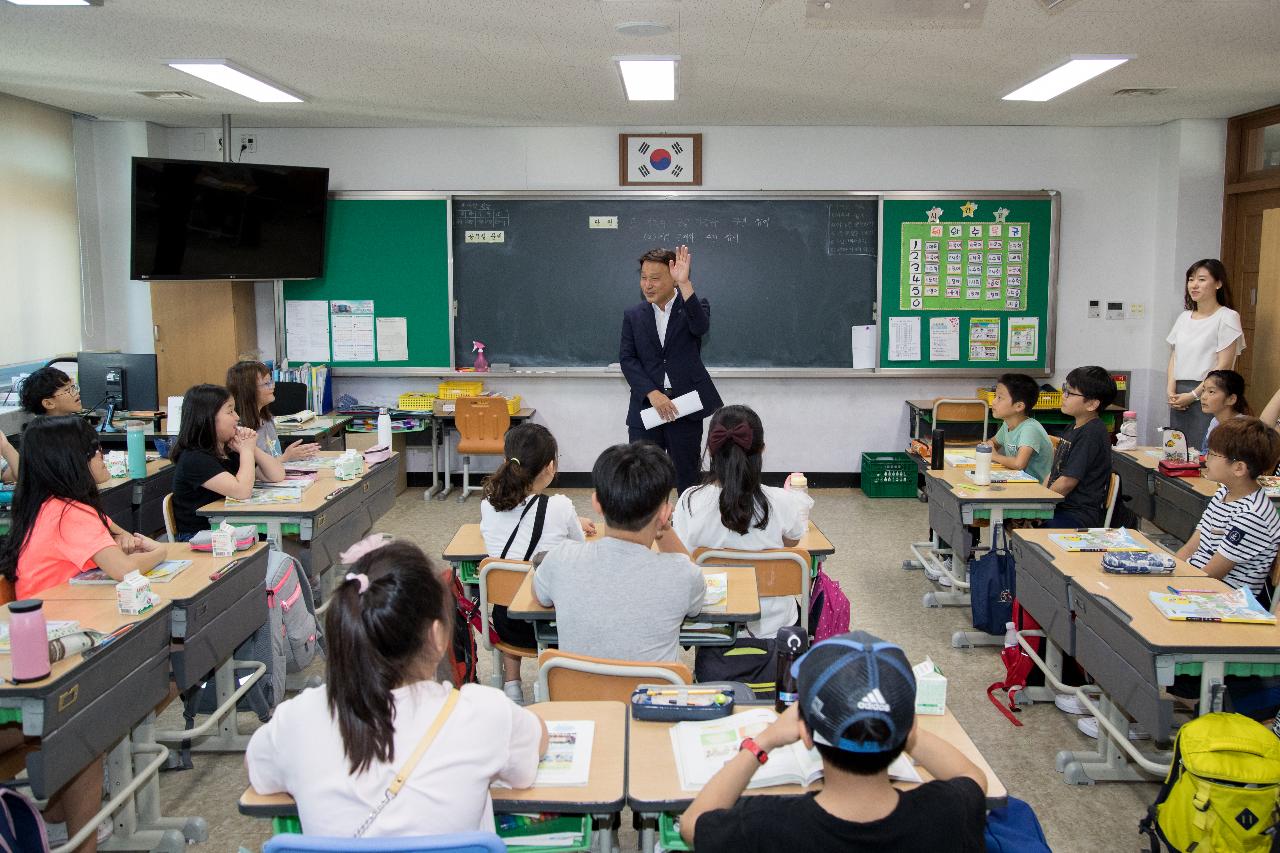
[615,597]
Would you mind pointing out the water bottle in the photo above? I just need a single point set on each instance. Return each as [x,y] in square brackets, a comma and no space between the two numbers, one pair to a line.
[798,482]
[982,466]
[937,446]
[1127,439]
[384,428]
[792,643]
[136,440]
[28,640]
[1010,635]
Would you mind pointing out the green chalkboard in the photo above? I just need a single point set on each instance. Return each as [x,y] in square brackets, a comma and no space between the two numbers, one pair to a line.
[396,253]
[972,276]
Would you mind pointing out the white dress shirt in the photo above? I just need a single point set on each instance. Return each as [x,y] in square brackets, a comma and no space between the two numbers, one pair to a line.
[661,315]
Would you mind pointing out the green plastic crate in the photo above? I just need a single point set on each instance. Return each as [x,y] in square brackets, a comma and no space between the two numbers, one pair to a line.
[583,843]
[889,475]
[669,833]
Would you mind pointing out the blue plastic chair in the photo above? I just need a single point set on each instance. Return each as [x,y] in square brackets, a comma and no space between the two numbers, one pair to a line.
[460,842]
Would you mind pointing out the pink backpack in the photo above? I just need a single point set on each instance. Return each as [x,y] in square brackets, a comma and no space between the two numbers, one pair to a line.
[828,608]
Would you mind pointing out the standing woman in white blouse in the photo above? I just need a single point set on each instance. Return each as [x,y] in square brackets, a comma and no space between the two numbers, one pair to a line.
[1206,336]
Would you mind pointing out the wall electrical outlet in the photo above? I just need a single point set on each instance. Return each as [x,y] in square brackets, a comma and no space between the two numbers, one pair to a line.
[249,144]
[1136,311]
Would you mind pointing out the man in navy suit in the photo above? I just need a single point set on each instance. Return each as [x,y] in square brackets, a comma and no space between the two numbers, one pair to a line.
[661,356]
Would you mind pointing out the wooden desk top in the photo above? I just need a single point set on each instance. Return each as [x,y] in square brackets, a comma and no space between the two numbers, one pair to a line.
[605,789]
[652,776]
[1168,635]
[153,467]
[314,497]
[1088,564]
[467,545]
[1141,456]
[98,615]
[742,604]
[995,493]
[193,580]
[315,426]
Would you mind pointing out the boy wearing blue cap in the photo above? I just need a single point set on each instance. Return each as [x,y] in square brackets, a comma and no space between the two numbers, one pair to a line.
[857,706]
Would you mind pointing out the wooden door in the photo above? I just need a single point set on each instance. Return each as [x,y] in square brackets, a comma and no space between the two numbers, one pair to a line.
[1246,287]
[1265,366]
[201,329]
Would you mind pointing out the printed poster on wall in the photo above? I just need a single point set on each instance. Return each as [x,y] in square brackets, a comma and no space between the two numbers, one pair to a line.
[1024,338]
[904,338]
[352,327]
[944,338]
[984,338]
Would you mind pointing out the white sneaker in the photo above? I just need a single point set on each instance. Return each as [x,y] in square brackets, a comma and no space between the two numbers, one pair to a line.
[56,833]
[105,830]
[514,691]
[930,572]
[944,580]
[1089,726]
[1069,703]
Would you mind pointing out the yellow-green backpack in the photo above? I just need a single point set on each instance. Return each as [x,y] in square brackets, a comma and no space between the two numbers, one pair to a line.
[1223,789]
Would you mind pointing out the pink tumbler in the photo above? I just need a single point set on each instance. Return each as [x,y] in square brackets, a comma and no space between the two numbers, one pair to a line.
[28,640]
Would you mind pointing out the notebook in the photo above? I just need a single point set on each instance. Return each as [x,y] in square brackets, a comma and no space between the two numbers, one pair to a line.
[1198,605]
[1097,539]
[1004,475]
[163,573]
[275,493]
[54,628]
[567,762]
[717,597]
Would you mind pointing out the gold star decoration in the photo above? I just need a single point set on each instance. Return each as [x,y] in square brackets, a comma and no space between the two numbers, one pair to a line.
[968,209]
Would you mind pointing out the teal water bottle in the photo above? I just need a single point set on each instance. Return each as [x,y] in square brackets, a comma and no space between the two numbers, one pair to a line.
[136,437]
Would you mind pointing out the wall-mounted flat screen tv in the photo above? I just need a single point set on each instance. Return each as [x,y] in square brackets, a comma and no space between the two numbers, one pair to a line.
[197,219]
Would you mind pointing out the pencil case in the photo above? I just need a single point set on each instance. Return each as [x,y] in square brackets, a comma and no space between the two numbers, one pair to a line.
[1137,563]
[374,455]
[673,703]
[245,537]
[1174,468]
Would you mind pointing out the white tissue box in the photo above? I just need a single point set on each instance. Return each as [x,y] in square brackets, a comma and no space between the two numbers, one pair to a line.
[134,595]
[931,688]
[349,466]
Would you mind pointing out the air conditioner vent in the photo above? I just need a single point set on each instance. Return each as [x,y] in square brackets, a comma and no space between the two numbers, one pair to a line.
[171,95]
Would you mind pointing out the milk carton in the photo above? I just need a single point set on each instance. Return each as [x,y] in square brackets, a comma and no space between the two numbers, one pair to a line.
[931,688]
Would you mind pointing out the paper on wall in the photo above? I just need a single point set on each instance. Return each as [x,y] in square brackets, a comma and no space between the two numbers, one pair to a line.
[944,338]
[307,330]
[352,322]
[1024,338]
[393,339]
[864,347]
[984,338]
[904,338]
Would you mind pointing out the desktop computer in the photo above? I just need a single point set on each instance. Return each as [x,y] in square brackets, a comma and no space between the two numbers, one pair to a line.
[119,381]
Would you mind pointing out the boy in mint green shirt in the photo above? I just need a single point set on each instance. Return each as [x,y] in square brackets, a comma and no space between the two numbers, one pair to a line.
[1021,443]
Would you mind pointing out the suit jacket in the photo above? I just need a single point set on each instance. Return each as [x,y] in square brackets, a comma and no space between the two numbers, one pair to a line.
[644,359]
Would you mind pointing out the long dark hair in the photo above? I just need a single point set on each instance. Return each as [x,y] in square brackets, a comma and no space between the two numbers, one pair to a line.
[736,469]
[375,639]
[1218,272]
[528,448]
[242,381]
[55,464]
[1231,383]
[199,429]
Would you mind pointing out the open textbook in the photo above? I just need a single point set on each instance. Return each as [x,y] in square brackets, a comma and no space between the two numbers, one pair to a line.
[702,747]
[1097,539]
[1199,605]
[716,599]
[162,573]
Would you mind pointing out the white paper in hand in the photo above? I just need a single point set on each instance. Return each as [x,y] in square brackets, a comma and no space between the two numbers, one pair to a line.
[686,404]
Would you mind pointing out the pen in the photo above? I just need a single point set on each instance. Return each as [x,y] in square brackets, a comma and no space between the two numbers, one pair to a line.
[336,492]
[685,692]
[222,571]
[107,640]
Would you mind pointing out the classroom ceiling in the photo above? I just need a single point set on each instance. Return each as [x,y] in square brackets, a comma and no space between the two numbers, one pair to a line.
[412,63]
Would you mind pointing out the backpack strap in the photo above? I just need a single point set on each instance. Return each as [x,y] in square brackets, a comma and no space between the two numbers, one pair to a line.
[519,521]
[539,518]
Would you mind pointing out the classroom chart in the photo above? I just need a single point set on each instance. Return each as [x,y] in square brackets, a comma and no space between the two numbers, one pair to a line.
[967,282]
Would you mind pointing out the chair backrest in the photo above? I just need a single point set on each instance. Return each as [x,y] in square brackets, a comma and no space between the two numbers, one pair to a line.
[499,580]
[458,842]
[1055,440]
[1273,581]
[779,571]
[170,524]
[966,410]
[568,677]
[1113,496]
[291,398]
[482,418]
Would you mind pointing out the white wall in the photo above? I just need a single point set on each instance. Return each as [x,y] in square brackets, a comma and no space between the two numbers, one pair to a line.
[1138,205]
[39,240]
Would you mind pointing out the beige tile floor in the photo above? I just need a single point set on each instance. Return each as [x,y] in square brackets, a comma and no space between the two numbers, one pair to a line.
[871,539]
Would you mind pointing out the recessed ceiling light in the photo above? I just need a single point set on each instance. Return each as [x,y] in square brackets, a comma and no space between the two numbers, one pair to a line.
[641,29]
[56,2]
[648,78]
[219,72]
[1067,76]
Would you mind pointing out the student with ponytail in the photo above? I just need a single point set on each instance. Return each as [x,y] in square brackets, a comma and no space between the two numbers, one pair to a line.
[1222,398]
[512,492]
[337,748]
[733,509]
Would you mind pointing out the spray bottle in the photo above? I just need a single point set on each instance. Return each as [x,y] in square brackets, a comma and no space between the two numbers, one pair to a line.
[482,363]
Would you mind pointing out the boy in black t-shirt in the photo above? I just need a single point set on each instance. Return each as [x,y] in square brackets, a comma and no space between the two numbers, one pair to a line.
[857,705]
[1082,463]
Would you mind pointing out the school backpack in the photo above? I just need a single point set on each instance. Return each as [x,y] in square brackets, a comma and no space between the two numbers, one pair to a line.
[828,608]
[463,652]
[22,827]
[1014,828]
[991,586]
[1222,791]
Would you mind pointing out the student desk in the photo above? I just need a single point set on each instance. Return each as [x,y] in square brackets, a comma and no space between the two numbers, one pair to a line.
[466,549]
[653,783]
[603,795]
[138,505]
[955,504]
[86,705]
[441,423]
[332,516]
[1137,470]
[329,431]
[920,412]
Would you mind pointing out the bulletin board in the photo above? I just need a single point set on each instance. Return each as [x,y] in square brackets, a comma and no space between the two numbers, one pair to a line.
[968,282]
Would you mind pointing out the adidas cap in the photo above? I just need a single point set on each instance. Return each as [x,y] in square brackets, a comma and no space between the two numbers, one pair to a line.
[857,678]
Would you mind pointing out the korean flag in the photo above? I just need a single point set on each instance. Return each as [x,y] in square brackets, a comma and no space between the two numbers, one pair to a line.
[660,160]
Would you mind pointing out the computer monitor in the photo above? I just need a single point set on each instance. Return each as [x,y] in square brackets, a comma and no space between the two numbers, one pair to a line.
[118,381]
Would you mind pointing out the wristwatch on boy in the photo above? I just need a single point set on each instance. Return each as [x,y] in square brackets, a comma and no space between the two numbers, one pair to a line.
[754,748]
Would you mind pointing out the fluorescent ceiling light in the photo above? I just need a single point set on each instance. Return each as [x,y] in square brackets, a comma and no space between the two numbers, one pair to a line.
[648,78]
[56,2]
[219,72]
[1067,76]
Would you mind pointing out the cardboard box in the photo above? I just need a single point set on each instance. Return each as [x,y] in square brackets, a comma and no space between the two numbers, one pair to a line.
[362,441]
[931,688]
